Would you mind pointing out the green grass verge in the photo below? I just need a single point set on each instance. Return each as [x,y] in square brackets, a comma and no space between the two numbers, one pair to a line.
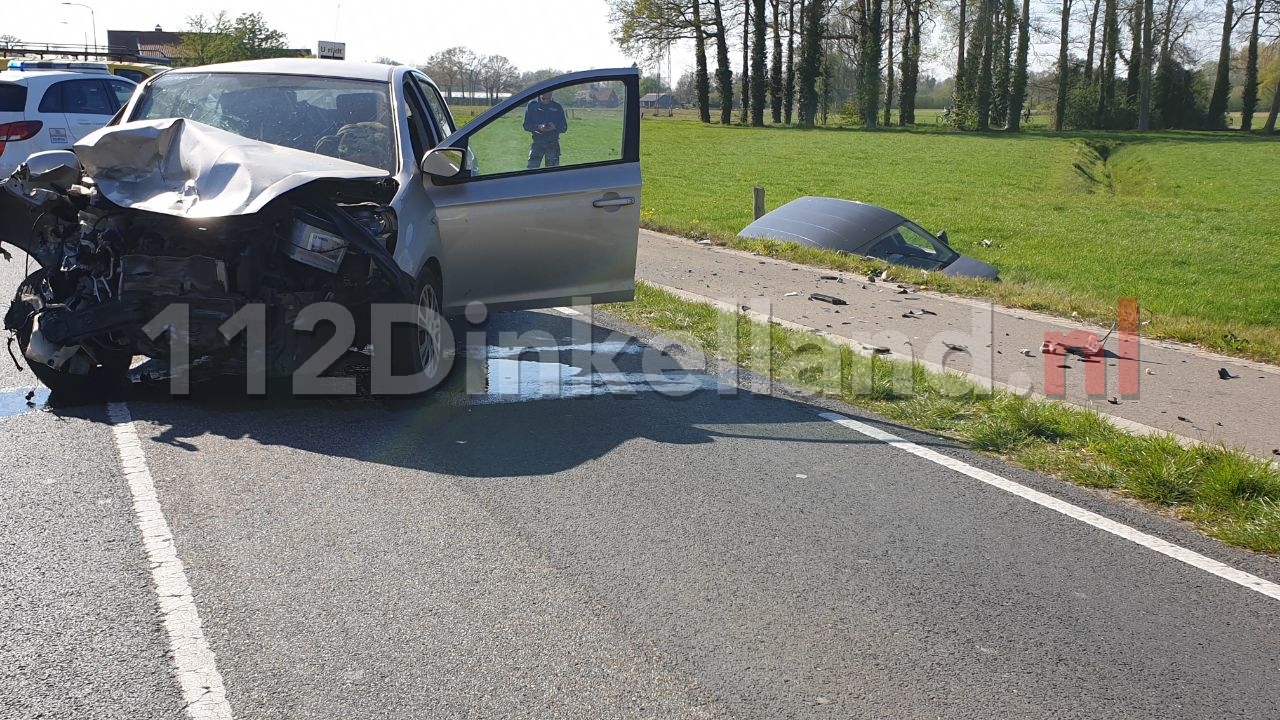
[1228,494]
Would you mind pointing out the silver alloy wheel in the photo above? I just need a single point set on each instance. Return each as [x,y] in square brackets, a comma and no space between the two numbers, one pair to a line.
[429,321]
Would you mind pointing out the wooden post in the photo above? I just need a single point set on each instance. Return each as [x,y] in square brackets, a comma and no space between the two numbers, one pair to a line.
[759,195]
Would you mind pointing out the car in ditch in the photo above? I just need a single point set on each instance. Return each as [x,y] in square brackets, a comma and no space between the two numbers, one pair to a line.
[229,210]
[858,228]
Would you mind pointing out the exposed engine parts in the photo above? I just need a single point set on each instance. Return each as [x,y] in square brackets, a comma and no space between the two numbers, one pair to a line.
[106,271]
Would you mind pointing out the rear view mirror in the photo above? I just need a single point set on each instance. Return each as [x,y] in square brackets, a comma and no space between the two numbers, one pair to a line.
[52,167]
[942,238]
[444,162]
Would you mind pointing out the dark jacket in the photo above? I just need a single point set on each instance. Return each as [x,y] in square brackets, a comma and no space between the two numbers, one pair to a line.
[537,114]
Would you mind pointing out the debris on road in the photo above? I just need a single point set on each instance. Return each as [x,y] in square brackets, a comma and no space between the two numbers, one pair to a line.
[1150,371]
[1026,352]
[1114,401]
[1225,374]
[791,294]
[876,349]
[956,346]
[822,297]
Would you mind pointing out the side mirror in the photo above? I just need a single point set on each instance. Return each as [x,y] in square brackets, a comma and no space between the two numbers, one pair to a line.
[942,238]
[444,162]
[52,167]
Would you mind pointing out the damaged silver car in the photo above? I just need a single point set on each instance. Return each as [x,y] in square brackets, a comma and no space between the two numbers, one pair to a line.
[290,184]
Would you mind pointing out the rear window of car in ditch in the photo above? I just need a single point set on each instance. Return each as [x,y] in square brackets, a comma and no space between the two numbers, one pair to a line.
[13,98]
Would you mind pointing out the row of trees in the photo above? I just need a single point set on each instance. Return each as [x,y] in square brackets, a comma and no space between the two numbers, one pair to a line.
[865,56]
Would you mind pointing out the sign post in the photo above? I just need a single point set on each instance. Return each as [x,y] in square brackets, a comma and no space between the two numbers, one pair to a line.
[330,50]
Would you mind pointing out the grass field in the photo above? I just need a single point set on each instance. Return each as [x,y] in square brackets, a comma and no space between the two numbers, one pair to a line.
[1188,223]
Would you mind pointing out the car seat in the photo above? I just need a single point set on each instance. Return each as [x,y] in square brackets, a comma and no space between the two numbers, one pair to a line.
[363,136]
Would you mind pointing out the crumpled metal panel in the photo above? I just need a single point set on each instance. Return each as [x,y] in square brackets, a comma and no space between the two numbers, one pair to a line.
[185,168]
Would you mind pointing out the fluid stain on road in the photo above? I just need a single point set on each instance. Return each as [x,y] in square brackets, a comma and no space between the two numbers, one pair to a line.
[23,400]
[513,374]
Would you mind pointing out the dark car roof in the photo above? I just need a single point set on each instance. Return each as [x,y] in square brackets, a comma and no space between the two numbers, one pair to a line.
[845,225]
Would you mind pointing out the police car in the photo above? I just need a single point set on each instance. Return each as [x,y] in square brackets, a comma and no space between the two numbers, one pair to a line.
[46,109]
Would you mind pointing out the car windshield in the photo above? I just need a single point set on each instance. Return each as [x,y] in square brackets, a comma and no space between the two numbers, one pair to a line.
[339,117]
[909,245]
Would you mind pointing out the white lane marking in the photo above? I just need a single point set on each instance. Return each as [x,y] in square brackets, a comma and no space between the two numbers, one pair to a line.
[1151,542]
[202,688]
[567,311]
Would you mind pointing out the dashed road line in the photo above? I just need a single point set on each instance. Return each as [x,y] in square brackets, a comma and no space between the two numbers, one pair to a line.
[1151,542]
[194,663]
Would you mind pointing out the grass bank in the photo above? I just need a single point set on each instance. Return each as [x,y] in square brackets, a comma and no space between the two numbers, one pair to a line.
[1229,495]
[1188,223]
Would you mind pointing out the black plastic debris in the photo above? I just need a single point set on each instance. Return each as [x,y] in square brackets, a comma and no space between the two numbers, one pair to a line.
[823,297]
[956,346]
[1225,374]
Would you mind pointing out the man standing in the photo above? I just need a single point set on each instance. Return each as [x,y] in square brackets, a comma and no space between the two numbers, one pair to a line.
[545,119]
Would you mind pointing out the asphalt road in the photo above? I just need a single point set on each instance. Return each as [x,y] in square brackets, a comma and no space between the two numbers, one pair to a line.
[675,546]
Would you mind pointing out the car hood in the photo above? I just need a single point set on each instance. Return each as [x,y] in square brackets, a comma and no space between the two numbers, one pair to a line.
[965,266]
[185,168]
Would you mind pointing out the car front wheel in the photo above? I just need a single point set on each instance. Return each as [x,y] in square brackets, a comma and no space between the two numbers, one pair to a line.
[421,348]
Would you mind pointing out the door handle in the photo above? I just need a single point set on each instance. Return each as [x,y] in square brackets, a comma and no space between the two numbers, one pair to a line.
[614,202]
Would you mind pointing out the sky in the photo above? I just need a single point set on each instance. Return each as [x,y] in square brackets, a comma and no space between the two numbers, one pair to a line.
[533,34]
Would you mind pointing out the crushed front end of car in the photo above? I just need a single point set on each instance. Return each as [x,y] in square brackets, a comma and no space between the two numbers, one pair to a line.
[150,215]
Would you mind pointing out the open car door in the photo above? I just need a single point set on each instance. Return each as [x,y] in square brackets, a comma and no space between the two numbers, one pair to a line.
[547,206]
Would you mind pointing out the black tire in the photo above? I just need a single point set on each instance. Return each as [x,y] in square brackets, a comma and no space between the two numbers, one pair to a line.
[103,380]
[415,349]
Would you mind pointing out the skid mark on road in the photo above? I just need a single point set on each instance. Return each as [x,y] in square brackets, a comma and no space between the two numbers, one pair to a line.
[194,664]
[1151,542]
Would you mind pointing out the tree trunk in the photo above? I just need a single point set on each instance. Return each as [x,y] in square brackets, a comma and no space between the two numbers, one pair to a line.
[810,62]
[1004,71]
[759,72]
[1064,72]
[1222,84]
[960,31]
[789,85]
[986,37]
[1148,57]
[700,80]
[888,66]
[1107,62]
[1249,95]
[724,75]
[1134,78]
[1270,127]
[910,63]
[775,67]
[745,115]
[1093,39]
[871,36]
[1018,95]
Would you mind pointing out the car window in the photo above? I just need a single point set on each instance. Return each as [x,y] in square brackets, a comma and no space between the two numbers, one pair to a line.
[134,75]
[51,101]
[13,97]
[416,116]
[339,117]
[86,97]
[122,90]
[908,245]
[439,111]
[574,125]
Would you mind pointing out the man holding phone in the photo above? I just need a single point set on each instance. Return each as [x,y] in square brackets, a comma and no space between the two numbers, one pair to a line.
[544,118]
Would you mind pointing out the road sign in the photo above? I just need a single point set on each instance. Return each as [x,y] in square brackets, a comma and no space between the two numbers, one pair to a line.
[332,50]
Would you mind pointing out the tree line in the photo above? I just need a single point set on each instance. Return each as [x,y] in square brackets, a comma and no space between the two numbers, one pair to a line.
[1121,64]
